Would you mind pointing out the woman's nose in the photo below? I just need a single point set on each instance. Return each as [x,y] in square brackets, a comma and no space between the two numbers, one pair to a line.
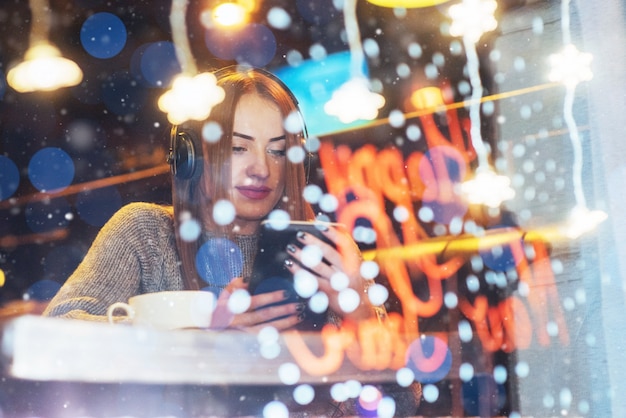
[258,167]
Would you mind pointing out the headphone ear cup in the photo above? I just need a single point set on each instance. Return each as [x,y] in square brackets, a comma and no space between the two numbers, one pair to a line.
[183,158]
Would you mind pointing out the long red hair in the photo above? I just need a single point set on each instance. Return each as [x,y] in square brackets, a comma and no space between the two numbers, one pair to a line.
[194,197]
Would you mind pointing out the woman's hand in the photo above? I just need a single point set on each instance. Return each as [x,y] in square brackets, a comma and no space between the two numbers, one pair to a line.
[337,271]
[257,314]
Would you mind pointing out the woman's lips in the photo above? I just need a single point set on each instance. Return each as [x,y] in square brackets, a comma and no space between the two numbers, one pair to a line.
[255,193]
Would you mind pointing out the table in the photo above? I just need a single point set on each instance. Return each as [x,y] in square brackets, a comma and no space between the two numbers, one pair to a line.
[59,367]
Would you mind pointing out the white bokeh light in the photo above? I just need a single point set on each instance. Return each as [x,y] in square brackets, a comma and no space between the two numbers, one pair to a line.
[305,284]
[275,409]
[319,302]
[377,294]
[289,373]
[278,18]
[278,219]
[349,300]
[339,281]
[312,256]
[405,377]
[190,230]
[223,212]
[312,193]
[304,394]
[239,301]
[369,270]
[296,154]
[212,131]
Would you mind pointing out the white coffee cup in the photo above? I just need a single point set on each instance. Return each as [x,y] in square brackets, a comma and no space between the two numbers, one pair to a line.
[167,310]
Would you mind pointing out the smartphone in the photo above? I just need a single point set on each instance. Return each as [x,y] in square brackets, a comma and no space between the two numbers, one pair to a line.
[269,272]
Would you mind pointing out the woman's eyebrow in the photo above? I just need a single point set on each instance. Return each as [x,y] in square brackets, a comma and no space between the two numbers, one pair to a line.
[250,138]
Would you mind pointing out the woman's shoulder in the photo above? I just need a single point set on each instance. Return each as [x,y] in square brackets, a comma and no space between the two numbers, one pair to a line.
[143,213]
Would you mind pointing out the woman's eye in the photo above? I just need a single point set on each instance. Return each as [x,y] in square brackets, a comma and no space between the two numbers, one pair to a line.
[277,152]
[238,149]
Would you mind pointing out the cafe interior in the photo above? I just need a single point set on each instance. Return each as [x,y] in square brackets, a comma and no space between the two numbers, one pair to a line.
[485,129]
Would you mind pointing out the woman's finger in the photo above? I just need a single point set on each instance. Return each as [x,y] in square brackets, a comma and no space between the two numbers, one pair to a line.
[267,315]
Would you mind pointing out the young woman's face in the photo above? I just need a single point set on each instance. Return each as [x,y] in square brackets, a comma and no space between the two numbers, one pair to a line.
[258,160]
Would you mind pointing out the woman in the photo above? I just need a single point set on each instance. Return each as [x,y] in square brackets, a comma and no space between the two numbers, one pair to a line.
[144,247]
[147,248]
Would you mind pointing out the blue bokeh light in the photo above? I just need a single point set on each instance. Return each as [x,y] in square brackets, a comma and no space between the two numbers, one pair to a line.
[95,207]
[427,345]
[103,35]
[51,169]
[156,63]
[43,290]
[47,216]
[313,83]
[218,261]
[9,177]
[255,44]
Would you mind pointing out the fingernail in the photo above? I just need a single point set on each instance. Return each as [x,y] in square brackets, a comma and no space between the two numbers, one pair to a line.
[291,248]
[300,307]
[288,262]
[300,235]
[301,316]
[287,293]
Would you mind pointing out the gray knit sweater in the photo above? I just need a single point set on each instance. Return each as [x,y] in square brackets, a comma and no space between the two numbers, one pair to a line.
[134,253]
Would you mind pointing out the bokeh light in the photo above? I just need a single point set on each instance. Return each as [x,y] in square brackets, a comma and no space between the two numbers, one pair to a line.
[9,177]
[218,261]
[51,169]
[239,301]
[275,409]
[289,373]
[429,346]
[103,35]
[224,212]
[42,290]
[278,18]
[156,62]
[304,394]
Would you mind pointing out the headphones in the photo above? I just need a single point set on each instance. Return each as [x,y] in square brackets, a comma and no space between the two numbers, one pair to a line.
[183,158]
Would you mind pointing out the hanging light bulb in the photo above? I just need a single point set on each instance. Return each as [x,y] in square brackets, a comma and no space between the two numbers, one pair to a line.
[43,67]
[192,95]
[571,67]
[471,19]
[354,100]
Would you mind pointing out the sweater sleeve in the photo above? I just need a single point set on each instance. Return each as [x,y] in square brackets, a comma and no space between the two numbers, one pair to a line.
[132,254]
